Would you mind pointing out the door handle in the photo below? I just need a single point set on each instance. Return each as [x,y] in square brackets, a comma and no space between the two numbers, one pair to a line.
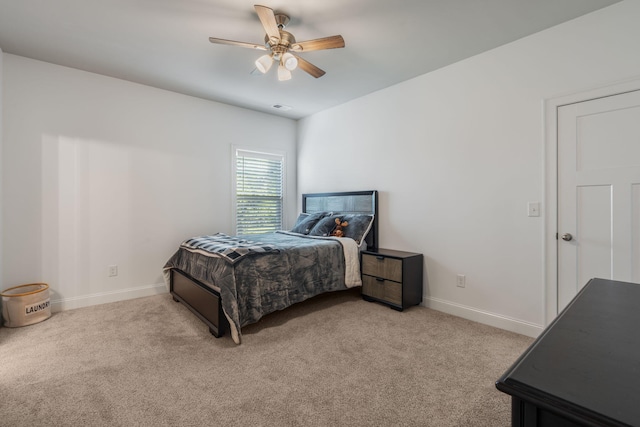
[567,237]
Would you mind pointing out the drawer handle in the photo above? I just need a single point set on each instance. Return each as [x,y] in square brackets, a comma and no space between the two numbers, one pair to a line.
[380,257]
[379,279]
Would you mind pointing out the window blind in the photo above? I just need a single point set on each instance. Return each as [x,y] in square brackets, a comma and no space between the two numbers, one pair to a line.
[258,192]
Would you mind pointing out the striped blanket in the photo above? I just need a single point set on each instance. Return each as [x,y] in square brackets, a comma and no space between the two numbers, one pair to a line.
[230,248]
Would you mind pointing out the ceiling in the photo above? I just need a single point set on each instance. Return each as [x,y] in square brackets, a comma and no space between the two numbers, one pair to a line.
[164,43]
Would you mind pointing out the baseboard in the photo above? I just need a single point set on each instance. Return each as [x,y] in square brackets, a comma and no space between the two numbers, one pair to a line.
[484,317]
[106,297]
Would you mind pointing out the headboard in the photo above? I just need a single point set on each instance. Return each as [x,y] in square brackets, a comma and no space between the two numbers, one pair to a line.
[350,202]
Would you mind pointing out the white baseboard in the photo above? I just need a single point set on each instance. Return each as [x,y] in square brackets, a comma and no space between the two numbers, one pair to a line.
[106,297]
[466,312]
[484,317]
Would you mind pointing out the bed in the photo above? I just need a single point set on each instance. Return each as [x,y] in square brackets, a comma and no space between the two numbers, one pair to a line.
[232,281]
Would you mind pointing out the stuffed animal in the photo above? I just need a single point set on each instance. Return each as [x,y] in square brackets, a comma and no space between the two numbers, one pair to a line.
[337,231]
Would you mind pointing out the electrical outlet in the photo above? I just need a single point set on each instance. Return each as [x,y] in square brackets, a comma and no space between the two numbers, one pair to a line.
[461,280]
[113,270]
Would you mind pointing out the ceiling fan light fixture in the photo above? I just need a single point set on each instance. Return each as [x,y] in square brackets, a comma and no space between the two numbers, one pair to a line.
[283,73]
[278,42]
[264,63]
[289,61]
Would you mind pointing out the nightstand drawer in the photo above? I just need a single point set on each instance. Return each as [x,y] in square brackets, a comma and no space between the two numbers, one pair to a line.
[382,289]
[383,267]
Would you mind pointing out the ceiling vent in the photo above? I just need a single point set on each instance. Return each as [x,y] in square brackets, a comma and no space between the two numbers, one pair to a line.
[281,107]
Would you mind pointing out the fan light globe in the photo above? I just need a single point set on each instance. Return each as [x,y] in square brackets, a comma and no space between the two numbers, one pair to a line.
[290,62]
[283,73]
[263,64]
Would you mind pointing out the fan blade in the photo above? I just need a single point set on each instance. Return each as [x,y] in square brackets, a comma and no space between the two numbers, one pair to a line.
[332,42]
[309,67]
[235,43]
[268,19]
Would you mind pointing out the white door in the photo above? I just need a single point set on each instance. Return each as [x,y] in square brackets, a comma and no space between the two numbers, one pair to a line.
[598,192]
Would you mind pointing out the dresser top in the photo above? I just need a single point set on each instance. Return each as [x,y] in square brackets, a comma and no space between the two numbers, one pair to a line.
[586,364]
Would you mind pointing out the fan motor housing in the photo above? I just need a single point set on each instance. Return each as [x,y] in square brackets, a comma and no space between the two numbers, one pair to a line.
[285,42]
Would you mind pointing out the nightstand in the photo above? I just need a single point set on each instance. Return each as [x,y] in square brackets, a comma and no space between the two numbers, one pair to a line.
[392,277]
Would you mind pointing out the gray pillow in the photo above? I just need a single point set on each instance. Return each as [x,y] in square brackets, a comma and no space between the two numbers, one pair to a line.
[325,226]
[306,221]
[358,228]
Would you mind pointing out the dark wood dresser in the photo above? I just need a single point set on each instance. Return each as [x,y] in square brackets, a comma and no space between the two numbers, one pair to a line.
[392,277]
[584,369]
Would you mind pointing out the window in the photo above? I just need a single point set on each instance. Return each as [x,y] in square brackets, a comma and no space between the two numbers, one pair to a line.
[258,191]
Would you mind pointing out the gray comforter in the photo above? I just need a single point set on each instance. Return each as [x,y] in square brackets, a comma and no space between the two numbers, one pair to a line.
[262,283]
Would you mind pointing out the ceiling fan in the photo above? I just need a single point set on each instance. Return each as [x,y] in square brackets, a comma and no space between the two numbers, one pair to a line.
[282,45]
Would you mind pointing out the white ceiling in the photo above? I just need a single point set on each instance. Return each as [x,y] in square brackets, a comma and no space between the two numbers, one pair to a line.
[164,43]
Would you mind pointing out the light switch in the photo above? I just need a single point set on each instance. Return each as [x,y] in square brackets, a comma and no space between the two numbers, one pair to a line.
[533,208]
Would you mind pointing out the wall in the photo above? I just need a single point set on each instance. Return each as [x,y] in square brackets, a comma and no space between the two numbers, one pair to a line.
[458,153]
[1,208]
[99,172]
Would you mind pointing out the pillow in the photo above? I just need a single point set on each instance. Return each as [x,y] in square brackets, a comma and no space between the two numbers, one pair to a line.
[358,228]
[306,221]
[325,226]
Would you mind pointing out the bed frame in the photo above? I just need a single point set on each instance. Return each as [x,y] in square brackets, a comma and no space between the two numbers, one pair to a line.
[205,302]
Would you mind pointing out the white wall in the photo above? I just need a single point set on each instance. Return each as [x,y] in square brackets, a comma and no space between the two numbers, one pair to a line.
[99,171]
[458,153]
[1,173]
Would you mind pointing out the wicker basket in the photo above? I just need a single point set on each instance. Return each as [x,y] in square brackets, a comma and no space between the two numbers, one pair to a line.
[25,304]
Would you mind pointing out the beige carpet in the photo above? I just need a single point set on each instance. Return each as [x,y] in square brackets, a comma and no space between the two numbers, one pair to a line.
[335,360]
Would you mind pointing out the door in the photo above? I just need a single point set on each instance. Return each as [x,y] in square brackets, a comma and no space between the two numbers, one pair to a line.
[598,192]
